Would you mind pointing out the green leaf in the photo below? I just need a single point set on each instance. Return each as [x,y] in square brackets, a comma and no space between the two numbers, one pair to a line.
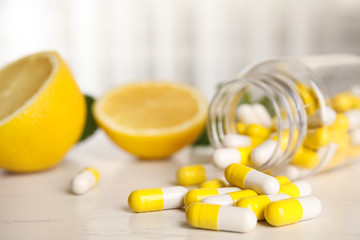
[90,125]
[267,104]
[203,140]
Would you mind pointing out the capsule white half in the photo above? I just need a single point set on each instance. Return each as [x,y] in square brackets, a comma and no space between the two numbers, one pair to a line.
[223,157]
[354,119]
[84,181]
[233,140]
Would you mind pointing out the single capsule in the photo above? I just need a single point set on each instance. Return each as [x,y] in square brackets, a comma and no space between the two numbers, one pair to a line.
[84,180]
[156,199]
[229,199]
[262,114]
[217,217]
[196,195]
[282,180]
[258,203]
[292,210]
[355,137]
[259,131]
[248,178]
[296,189]
[317,138]
[354,118]
[325,116]
[223,157]
[194,174]
[213,183]
[306,158]
[233,140]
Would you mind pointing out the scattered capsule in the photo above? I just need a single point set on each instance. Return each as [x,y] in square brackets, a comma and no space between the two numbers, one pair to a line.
[293,210]
[306,158]
[282,180]
[213,183]
[84,180]
[223,157]
[262,114]
[233,140]
[194,174]
[217,217]
[156,199]
[229,199]
[325,116]
[354,119]
[259,131]
[248,178]
[317,138]
[196,195]
[296,189]
[355,137]
[258,203]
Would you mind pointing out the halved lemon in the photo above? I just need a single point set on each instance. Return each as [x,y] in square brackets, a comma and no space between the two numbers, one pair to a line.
[152,119]
[42,112]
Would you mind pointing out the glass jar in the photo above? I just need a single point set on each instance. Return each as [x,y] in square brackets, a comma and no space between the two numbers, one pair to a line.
[311,100]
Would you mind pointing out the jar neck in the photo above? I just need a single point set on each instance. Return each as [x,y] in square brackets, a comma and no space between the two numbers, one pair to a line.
[283,100]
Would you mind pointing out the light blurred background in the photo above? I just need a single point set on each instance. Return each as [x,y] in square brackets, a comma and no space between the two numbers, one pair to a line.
[200,42]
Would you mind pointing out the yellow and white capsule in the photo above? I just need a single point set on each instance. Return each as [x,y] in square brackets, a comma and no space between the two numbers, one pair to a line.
[258,203]
[194,174]
[196,195]
[296,189]
[217,217]
[248,178]
[214,183]
[343,102]
[156,199]
[84,180]
[325,116]
[293,210]
[229,199]
[223,157]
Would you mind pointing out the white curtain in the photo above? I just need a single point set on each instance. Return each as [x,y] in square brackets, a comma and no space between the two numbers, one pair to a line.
[200,42]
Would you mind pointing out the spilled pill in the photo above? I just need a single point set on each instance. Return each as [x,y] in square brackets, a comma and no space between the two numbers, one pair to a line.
[155,199]
[84,180]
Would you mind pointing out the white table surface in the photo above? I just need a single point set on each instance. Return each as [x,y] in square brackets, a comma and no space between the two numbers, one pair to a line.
[40,206]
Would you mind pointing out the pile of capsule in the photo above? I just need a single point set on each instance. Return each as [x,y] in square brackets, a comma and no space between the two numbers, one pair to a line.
[333,136]
[234,203]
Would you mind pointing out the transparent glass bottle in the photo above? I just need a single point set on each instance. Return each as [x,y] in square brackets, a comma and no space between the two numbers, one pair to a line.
[299,94]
